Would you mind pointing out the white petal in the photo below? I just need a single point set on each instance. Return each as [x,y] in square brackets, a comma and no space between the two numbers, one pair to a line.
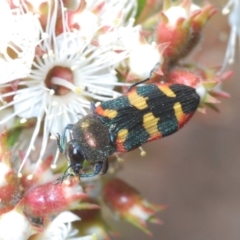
[143,59]
[19,35]
[14,226]
[65,217]
[175,13]
[29,103]
[60,228]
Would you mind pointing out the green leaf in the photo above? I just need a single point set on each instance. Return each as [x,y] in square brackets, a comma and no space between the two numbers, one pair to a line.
[12,135]
[141,5]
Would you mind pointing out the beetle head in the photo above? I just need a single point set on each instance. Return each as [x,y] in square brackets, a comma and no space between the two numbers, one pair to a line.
[75,156]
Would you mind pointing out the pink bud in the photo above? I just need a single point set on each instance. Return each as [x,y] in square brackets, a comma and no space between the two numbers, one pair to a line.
[127,203]
[181,25]
[50,199]
[181,75]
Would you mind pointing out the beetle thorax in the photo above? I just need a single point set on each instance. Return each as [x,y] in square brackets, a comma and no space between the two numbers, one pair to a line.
[93,137]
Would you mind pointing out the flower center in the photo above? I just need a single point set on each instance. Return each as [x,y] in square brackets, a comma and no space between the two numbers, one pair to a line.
[56,76]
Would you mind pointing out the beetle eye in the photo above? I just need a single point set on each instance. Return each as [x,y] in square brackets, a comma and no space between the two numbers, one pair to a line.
[74,155]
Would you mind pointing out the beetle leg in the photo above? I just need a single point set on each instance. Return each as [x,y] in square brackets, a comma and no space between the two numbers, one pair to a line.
[61,139]
[99,168]
[92,106]
[58,137]
[104,167]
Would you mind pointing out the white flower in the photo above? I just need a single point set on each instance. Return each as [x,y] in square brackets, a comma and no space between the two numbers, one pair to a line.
[14,225]
[143,58]
[68,70]
[18,39]
[233,9]
[61,228]
[175,13]
[103,14]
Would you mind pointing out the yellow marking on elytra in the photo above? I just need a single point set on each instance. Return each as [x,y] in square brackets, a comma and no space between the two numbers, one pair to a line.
[122,135]
[150,124]
[85,124]
[137,101]
[110,113]
[166,90]
[178,111]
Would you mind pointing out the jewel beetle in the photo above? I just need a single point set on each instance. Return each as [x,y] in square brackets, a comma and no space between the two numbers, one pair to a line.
[144,114]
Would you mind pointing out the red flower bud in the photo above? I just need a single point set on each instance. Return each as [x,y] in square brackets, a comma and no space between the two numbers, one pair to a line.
[127,202]
[181,26]
[50,199]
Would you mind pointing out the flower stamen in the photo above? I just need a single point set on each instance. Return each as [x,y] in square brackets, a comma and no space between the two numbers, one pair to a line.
[64,83]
